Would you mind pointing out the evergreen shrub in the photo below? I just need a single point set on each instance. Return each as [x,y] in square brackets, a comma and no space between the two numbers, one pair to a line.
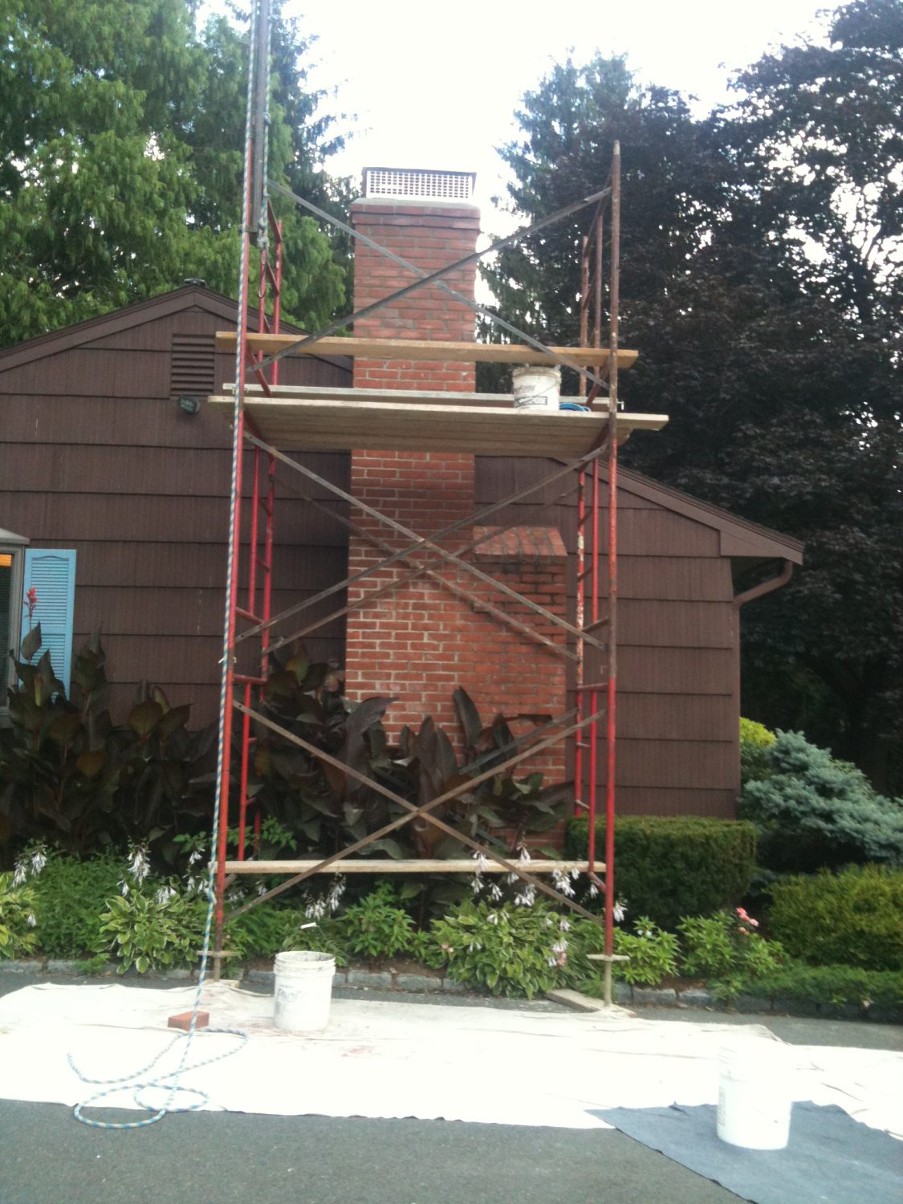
[854,918]
[670,868]
[755,739]
[812,811]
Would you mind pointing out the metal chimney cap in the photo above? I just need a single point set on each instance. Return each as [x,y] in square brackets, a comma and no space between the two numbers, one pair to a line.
[417,183]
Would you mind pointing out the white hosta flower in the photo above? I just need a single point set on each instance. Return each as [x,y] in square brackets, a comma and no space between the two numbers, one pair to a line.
[164,894]
[195,857]
[524,854]
[315,909]
[492,917]
[30,920]
[593,890]
[481,860]
[139,863]
[564,925]
[38,859]
[495,892]
[334,895]
[124,889]
[563,883]
[525,897]
[619,911]
[20,873]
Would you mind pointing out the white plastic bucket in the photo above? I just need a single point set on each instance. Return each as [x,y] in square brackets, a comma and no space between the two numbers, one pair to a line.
[754,1098]
[536,388]
[303,990]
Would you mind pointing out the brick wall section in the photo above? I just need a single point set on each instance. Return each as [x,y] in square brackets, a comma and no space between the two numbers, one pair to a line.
[421,640]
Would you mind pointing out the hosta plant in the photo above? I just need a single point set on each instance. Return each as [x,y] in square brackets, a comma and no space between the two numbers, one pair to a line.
[17,919]
[153,930]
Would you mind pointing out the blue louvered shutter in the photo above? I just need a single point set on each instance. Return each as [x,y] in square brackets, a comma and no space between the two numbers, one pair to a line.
[52,574]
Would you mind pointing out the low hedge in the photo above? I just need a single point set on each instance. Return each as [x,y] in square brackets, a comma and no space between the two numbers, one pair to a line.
[667,868]
[827,986]
[854,918]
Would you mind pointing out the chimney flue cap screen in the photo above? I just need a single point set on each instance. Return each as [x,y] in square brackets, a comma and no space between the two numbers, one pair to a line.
[418,184]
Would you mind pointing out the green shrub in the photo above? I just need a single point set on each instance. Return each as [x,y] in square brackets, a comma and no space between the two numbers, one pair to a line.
[755,739]
[653,954]
[17,918]
[812,811]
[854,918]
[325,937]
[426,949]
[376,927]
[832,985]
[70,897]
[263,931]
[727,951]
[668,868]
[509,950]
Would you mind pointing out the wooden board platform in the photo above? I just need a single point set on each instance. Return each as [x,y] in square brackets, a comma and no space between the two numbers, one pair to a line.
[326,424]
[426,349]
[381,865]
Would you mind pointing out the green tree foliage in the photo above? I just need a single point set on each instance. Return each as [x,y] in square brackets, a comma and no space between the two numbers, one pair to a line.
[121,136]
[762,266]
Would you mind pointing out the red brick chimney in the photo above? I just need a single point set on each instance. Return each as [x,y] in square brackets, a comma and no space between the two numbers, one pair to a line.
[421,639]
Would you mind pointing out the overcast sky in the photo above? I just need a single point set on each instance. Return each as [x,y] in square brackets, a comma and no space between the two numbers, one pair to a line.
[436,85]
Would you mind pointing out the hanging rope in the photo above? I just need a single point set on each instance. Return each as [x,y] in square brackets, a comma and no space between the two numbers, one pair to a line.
[168,1081]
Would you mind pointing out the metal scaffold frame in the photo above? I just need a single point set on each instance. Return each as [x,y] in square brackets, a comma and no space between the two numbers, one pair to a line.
[590,642]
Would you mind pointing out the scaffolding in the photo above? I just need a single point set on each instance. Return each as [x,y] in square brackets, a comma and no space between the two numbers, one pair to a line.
[267,417]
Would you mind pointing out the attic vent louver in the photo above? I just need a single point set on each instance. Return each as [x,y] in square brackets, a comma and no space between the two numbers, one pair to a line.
[415,183]
[192,369]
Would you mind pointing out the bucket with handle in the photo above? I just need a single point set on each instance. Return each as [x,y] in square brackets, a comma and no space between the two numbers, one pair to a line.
[536,388]
[303,990]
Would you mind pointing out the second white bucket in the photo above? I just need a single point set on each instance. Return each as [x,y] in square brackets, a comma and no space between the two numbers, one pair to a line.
[303,990]
[754,1098]
[536,388]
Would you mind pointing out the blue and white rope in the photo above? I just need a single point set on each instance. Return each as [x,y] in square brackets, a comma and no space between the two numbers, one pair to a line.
[169,1080]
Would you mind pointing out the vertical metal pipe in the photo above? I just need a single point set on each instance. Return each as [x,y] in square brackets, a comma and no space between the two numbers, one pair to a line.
[598,277]
[579,647]
[585,243]
[592,730]
[260,58]
[611,733]
[227,682]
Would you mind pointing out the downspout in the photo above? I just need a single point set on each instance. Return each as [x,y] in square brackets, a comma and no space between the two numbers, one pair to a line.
[765,587]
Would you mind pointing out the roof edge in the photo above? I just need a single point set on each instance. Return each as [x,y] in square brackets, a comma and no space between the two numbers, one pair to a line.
[186,296]
[739,536]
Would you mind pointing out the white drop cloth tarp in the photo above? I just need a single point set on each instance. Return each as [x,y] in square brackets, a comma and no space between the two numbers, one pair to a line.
[429,1061]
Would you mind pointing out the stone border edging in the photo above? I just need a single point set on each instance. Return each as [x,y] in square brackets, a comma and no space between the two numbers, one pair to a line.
[431,982]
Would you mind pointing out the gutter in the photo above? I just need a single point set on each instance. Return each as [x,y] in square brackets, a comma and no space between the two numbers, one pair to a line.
[765,587]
